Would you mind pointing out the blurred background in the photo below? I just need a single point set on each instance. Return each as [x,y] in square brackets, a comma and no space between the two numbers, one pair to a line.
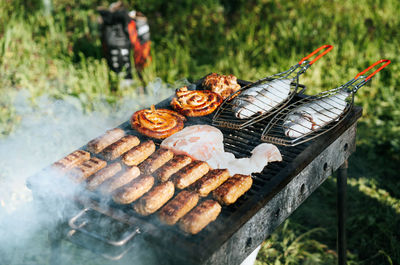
[50,50]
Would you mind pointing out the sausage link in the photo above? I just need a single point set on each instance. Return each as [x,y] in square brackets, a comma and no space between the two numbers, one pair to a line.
[102,175]
[178,207]
[120,147]
[87,168]
[133,190]
[72,160]
[156,160]
[212,180]
[172,166]
[119,180]
[200,217]
[111,136]
[155,198]
[138,154]
[232,189]
[189,174]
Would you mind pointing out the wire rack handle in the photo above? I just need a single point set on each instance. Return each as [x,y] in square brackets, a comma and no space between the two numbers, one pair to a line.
[387,62]
[326,48]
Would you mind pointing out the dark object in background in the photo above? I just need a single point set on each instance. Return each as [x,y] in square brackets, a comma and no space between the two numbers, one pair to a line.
[122,31]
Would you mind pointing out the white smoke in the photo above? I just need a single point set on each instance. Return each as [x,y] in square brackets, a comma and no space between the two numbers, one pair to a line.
[47,132]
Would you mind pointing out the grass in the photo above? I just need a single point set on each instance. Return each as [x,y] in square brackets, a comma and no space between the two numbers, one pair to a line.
[60,55]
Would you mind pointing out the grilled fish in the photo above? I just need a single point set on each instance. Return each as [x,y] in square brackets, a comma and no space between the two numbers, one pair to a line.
[314,115]
[261,98]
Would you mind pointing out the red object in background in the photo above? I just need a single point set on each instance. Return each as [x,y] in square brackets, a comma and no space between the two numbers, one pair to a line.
[140,45]
[121,33]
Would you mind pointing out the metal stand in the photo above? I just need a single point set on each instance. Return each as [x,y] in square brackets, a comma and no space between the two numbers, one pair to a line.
[341,212]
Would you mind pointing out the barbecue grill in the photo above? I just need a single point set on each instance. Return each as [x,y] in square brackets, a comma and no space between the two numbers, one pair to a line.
[115,231]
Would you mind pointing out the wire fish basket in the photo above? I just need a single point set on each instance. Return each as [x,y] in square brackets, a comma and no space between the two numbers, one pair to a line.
[261,99]
[313,116]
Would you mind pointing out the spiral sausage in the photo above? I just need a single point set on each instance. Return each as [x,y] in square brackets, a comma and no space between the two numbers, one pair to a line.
[159,123]
[195,103]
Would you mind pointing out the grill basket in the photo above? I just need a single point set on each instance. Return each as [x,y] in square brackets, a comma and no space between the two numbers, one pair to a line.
[312,116]
[261,99]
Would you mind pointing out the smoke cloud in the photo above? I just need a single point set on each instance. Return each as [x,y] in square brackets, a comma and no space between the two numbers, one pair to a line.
[47,132]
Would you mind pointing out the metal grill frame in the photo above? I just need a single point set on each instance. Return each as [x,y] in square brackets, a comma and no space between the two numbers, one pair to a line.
[235,222]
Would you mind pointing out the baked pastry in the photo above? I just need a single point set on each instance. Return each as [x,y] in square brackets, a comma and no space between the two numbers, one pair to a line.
[157,123]
[194,103]
[224,85]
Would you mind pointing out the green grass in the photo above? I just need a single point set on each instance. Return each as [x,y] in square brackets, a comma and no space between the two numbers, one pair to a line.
[60,55]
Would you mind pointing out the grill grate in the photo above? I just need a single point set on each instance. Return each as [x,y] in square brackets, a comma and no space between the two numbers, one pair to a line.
[240,143]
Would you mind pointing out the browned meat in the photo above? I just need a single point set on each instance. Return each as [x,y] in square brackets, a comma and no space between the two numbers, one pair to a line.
[87,168]
[200,217]
[212,180]
[178,207]
[120,147]
[102,175]
[71,160]
[139,153]
[119,180]
[155,198]
[111,136]
[172,166]
[233,188]
[224,85]
[190,174]
[133,190]
[156,160]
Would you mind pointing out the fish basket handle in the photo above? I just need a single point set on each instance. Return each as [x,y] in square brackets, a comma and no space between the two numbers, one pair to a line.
[326,48]
[387,62]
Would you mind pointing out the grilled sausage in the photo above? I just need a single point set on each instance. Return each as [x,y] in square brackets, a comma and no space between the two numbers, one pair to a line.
[111,136]
[156,160]
[233,188]
[178,207]
[200,217]
[120,147]
[155,198]
[138,154]
[133,190]
[190,174]
[102,175]
[212,180]
[87,168]
[119,180]
[71,160]
[172,166]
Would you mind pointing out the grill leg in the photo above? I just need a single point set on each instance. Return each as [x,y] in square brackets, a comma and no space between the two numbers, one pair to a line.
[55,246]
[341,212]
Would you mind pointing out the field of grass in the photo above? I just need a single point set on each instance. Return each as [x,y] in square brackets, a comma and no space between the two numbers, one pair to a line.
[59,54]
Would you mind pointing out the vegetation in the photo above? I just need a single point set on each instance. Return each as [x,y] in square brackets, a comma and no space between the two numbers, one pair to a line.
[59,54]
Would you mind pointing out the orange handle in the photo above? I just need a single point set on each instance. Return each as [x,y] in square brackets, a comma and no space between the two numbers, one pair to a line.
[369,68]
[327,48]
